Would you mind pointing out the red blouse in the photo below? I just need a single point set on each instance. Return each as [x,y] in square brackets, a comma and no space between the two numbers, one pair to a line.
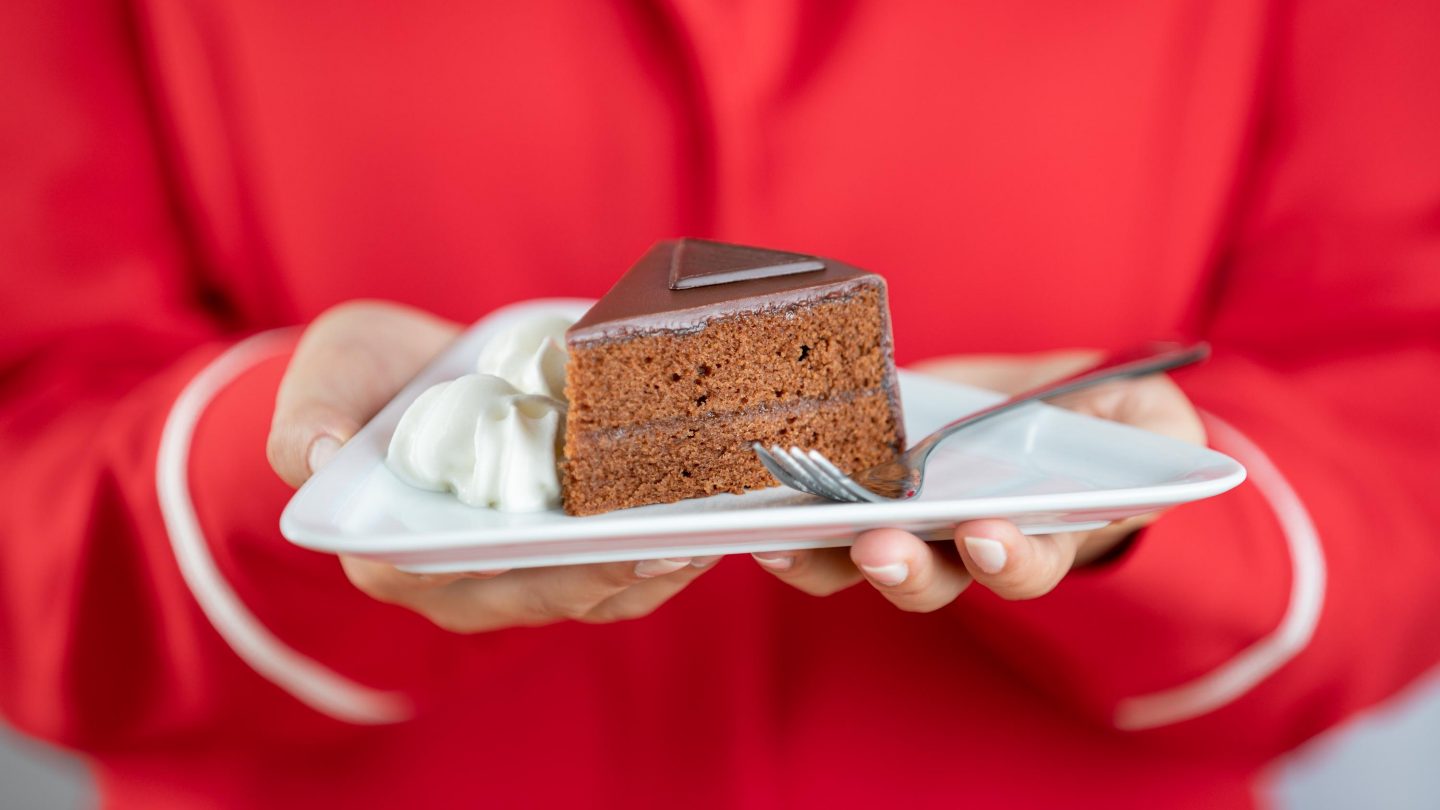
[177,176]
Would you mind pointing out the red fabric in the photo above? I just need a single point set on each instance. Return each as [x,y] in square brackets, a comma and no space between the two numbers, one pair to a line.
[173,176]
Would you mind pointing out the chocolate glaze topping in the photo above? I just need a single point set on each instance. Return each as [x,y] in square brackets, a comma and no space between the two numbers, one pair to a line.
[725,280]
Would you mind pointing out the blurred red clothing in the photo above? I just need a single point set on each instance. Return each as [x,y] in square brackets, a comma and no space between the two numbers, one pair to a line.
[177,176]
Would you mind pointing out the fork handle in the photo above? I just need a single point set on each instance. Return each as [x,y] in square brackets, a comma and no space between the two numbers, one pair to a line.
[1138,361]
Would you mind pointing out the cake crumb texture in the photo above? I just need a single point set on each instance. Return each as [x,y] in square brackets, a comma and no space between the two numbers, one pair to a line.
[669,414]
[686,458]
[742,361]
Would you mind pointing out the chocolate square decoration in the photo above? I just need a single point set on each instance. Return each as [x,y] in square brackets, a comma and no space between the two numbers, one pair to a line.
[702,263]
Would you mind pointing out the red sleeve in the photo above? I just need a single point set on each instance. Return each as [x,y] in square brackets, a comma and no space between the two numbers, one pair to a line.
[1256,619]
[107,358]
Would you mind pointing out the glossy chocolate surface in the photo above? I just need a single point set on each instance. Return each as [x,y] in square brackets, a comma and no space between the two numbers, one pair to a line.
[643,301]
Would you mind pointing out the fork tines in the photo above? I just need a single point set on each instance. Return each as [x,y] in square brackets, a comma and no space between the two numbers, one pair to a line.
[808,471]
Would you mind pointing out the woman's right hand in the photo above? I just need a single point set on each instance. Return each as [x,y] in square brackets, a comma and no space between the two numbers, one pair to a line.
[348,364]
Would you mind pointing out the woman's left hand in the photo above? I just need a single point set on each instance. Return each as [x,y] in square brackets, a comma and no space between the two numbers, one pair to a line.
[922,577]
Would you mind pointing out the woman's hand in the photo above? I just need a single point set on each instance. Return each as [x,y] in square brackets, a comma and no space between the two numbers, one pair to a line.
[922,577]
[349,363]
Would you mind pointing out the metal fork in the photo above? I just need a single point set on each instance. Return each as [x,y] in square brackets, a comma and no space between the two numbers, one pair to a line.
[809,470]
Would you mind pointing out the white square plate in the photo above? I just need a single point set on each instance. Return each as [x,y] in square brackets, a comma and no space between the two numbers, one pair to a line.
[1044,468]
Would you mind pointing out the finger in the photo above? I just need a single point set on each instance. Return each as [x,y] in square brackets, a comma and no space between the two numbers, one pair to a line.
[643,598]
[389,584]
[349,363]
[914,575]
[819,573]
[1013,565]
[1099,545]
[536,596]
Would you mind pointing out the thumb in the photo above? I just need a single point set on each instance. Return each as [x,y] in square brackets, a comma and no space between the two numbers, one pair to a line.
[348,364]
[305,436]
[1008,373]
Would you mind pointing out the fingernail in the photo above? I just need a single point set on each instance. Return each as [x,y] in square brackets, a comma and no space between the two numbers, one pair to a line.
[888,575]
[647,569]
[988,554]
[704,562]
[776,562]
[321,451]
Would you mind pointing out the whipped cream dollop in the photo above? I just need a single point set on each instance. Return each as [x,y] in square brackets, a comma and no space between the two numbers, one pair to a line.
[530,355]
[492,437]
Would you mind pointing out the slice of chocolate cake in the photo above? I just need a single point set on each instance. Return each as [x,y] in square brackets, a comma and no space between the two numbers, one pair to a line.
[703,348]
